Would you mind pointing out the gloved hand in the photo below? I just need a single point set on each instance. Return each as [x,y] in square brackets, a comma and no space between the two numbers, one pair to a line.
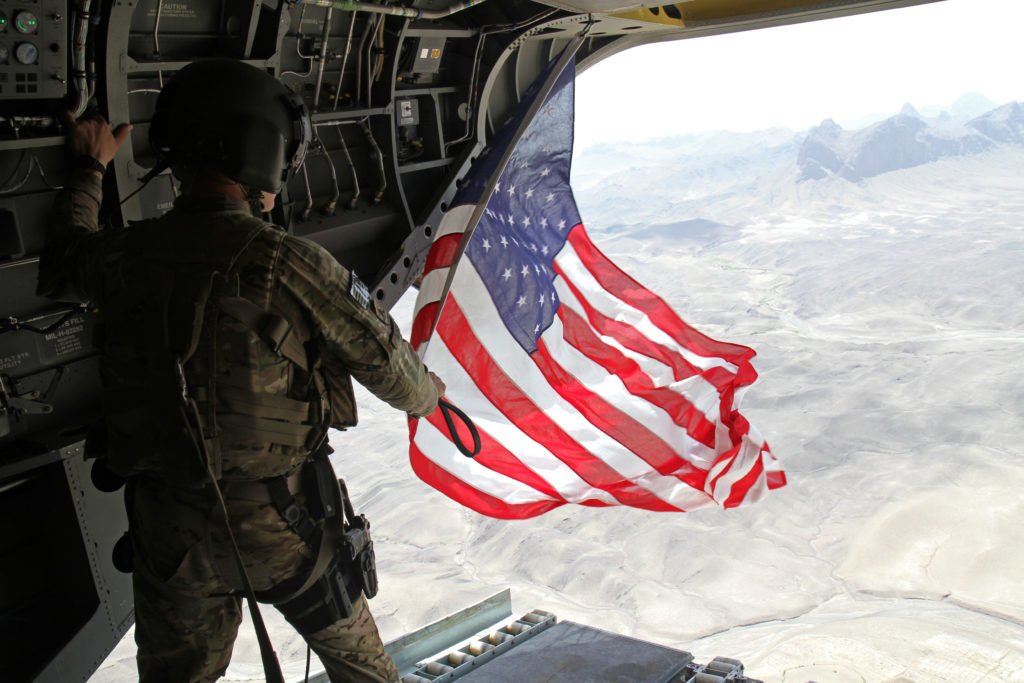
[439,383]
[92,136]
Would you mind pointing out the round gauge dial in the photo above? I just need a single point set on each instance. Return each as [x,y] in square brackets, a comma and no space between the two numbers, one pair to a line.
[26,53]
[5,54]
[3,22]
[26,22]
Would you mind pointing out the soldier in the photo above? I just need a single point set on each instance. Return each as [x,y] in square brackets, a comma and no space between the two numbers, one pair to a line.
[227,348]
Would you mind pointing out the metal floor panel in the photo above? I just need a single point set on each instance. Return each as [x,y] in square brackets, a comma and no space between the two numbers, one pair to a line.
[572,653]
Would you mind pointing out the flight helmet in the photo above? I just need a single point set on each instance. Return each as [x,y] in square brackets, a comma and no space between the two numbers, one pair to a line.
[229,116]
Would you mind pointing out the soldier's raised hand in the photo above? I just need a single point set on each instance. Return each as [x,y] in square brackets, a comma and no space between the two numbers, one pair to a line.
[439,383]
[92,136]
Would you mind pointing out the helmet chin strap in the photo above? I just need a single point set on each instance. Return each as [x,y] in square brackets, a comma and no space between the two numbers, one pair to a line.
[254,196]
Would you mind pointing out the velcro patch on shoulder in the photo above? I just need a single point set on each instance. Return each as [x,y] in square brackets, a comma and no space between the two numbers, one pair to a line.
[359,291]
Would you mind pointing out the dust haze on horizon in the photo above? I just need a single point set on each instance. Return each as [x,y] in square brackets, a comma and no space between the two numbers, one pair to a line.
[855,70]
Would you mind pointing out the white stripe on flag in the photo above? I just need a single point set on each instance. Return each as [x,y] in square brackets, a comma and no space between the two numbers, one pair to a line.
[612,307]
[698,391]
[531,453]
[610,388]
[432,287]
[455,220]
[740,466]
[432,442]
[682,495]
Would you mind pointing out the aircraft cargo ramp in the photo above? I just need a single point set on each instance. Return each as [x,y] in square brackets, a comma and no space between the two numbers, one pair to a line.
[484,643]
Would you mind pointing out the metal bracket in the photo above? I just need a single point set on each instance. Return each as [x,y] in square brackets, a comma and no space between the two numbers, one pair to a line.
[718,670]
[29,403]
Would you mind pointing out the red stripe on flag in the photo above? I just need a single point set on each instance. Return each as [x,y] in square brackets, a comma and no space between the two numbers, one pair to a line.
[742,486]
[613,279]
[474,499]
[442,252]
[521,411]
[496,457]
[620,426]
[738,425]
[683,413]
[423,324]
[628,336]
[700,427]
[776,478]
[441,255]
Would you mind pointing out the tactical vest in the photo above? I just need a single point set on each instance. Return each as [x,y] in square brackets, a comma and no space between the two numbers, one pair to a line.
[196,349]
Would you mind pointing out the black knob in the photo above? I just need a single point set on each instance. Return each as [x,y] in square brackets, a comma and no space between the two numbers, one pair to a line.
[103,478]
[122,554]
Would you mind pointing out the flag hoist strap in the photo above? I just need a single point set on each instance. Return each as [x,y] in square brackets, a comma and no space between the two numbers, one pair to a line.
[277,332]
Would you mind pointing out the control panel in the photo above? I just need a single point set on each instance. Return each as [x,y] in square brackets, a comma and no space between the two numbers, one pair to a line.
[33,49]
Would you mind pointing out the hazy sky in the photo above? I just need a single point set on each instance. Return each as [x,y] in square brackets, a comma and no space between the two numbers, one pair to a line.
[796,76]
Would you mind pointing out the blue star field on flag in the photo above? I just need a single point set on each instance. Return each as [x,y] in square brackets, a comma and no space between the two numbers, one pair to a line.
[527,220]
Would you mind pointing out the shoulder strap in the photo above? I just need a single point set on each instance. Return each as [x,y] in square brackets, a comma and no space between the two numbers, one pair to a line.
[208,318]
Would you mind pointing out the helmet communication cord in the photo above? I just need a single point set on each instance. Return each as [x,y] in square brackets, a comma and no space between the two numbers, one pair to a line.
[153,173]
[271,666]
[254,197]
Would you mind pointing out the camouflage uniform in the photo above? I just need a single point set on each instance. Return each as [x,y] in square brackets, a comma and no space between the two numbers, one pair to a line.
[186,621]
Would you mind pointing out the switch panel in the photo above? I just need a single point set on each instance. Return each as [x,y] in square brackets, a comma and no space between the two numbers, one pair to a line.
[33,49]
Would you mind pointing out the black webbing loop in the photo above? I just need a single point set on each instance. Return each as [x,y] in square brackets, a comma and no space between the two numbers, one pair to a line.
[295,516]
[446,411]
[346,502]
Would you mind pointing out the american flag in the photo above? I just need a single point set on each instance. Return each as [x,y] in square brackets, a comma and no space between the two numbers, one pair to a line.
[586,388]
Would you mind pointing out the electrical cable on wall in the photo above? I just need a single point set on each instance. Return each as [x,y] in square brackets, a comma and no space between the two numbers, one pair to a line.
[408,13]
[333,201]
[359,61]
[33,164]
[309,195]
[79,63]
[379,158]
[324,37]
[156,40]
[344,61]
[299,37]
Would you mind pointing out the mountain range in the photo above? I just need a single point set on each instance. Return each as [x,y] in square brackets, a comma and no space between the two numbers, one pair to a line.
[903,141]
[735,178]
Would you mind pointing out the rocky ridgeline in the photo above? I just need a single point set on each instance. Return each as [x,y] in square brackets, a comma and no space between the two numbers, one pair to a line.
[903,141]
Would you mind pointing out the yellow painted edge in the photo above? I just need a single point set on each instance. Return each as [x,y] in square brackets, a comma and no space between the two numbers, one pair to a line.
[645,14]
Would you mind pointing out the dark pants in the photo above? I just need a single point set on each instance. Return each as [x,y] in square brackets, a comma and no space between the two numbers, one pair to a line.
[185,627]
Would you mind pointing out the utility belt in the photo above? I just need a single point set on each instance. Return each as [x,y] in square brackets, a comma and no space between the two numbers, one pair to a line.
[345,565]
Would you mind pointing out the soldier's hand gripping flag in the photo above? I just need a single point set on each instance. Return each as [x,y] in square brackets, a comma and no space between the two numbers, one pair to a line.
[585,387]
